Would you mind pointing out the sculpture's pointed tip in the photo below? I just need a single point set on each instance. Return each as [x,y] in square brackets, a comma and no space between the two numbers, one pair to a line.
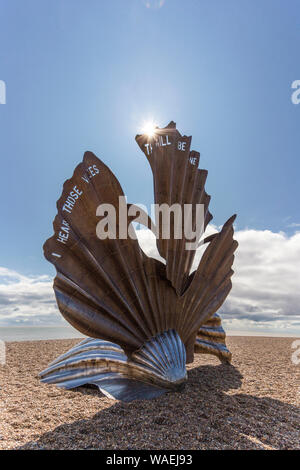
[87,154]
[231,220]
[171,125]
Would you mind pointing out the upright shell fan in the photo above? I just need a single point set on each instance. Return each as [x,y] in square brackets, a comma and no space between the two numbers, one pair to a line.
[177,181]
[144,319]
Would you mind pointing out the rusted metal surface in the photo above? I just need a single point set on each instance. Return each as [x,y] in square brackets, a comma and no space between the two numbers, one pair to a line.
[211,339]
[177,180]
[109,289]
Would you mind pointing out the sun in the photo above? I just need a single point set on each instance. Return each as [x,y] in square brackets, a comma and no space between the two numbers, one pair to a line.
[149,128]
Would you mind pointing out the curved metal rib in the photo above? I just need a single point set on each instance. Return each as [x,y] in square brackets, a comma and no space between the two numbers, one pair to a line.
[158,314]
[211,339]
[154,369]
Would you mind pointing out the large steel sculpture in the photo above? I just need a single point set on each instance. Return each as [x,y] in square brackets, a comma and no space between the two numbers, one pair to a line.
[144,319]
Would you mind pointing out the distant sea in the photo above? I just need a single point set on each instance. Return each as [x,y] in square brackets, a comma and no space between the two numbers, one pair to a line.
[33,333]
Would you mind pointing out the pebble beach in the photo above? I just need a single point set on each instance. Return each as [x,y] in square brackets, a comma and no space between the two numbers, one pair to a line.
[252,404]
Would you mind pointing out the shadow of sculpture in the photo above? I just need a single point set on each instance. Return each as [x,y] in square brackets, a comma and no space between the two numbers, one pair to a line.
[208,413]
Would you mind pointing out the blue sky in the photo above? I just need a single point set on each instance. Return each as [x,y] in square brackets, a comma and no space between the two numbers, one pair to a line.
[84,75]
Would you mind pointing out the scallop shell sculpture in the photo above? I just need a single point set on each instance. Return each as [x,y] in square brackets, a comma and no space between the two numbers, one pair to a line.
[144,319]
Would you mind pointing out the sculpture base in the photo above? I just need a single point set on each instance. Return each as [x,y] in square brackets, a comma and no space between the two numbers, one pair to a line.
[157,367]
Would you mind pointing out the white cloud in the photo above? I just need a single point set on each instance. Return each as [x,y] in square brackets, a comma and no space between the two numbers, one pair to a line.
[265,296]
[266,283]
[26,299]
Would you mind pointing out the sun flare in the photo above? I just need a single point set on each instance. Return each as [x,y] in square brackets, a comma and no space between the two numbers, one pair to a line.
[149,128]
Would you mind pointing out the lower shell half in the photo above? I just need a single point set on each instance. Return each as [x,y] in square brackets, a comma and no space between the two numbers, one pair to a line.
[157,367]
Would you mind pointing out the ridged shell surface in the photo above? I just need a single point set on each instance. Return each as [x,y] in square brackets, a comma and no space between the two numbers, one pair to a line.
[110,289]
[177,181]
[159,365]
[146,318]
[164,354]
[211,339]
